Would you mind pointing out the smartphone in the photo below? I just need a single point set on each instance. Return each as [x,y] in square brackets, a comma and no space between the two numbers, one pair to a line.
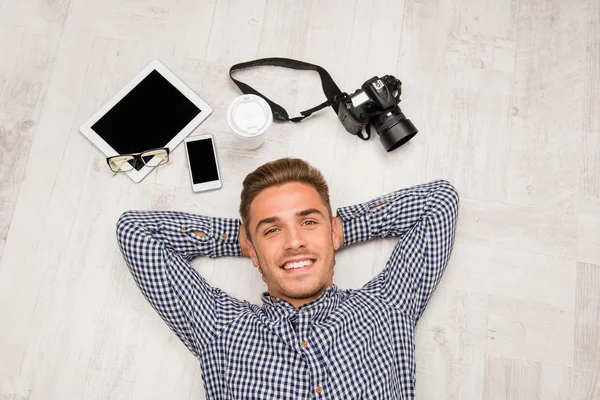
[202,161]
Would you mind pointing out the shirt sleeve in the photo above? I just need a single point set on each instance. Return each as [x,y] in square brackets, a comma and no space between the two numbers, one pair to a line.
[424,217]
[157,247]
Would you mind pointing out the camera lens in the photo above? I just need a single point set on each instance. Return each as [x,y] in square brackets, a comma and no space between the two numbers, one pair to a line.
[394,129]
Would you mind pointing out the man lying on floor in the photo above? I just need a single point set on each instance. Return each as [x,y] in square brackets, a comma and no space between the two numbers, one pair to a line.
[309,339]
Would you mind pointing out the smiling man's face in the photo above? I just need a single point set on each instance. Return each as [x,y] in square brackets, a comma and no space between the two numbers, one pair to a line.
[293,242]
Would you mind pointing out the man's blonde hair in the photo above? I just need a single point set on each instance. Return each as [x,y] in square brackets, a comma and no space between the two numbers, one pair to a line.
[277,173]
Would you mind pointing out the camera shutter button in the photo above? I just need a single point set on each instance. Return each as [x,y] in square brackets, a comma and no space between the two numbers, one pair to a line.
[378,85]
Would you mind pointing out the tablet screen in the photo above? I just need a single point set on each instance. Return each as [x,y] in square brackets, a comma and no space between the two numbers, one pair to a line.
[148,117]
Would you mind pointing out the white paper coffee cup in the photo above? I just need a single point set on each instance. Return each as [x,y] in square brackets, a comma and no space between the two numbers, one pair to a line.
[249,117]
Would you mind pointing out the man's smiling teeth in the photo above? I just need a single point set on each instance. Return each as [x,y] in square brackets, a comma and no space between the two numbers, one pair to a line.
[300,264]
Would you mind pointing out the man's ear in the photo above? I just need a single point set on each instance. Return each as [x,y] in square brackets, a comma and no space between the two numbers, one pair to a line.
[252,253]
[336,235]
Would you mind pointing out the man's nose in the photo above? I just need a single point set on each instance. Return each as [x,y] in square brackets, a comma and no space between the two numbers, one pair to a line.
[294,239]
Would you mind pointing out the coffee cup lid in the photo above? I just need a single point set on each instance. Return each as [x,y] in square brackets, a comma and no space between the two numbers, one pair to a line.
[249,115]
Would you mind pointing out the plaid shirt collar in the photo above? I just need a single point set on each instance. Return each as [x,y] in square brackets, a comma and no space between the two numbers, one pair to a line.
[277,309]
[281,317]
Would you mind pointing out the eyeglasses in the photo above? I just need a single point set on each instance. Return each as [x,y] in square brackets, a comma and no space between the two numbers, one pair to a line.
[127,162]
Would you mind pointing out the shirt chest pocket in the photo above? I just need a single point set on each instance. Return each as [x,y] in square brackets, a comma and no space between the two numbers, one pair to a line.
[257,369]
[360,356]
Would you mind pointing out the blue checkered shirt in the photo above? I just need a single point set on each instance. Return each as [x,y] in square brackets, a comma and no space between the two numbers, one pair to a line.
[346,344]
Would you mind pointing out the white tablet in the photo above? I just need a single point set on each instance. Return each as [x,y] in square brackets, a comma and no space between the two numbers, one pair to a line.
[156,109]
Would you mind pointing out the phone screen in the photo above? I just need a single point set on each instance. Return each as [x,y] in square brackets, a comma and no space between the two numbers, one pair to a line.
[203,162]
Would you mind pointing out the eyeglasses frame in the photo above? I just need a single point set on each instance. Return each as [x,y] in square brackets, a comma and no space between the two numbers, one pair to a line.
[138,158]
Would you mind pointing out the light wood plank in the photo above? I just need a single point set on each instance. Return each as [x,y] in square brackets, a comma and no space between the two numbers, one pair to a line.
[35,16]
[135,21]
[587,318]
[468,50]
[473,133]
[474,142]
[217,30]
[530,331]
[187,29]
[514,274]
[585,385]
[24,260]
[10,44]
[510,379]
[450,347]
[284,29]
[421,70]
[244,20]
[490,18]
[588,245]
[551,49]
[590,161]
[518,228]
[8,198]
[21,101]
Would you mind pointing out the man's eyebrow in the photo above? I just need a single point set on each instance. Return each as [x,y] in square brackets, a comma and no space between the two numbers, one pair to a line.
[309,211]
[302,213]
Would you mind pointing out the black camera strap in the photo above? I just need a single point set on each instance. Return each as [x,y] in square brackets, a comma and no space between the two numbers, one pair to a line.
[332,92]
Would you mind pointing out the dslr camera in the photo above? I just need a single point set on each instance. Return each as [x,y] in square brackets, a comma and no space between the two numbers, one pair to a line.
[376,104]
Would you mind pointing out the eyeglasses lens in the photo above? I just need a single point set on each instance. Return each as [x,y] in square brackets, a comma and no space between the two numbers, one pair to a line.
[155,158]
[122,163]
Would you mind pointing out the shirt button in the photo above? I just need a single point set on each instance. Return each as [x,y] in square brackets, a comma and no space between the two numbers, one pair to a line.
[183,229]
[273,300]
[303,309]
[392,199]
[355,213]
[304,344]
[319,389]
[224,236]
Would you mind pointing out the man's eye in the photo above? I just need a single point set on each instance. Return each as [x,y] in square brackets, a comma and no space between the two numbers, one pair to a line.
[310,222]
[270,231]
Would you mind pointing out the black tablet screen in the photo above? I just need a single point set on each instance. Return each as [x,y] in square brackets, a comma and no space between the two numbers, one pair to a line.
[149,116]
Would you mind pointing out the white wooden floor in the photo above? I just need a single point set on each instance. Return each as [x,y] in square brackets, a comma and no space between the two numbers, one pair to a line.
[506,96]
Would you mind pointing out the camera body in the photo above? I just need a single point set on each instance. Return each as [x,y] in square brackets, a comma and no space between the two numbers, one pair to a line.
[376,103]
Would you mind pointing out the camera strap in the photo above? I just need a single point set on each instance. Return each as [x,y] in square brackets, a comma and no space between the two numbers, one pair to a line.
[332,92]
